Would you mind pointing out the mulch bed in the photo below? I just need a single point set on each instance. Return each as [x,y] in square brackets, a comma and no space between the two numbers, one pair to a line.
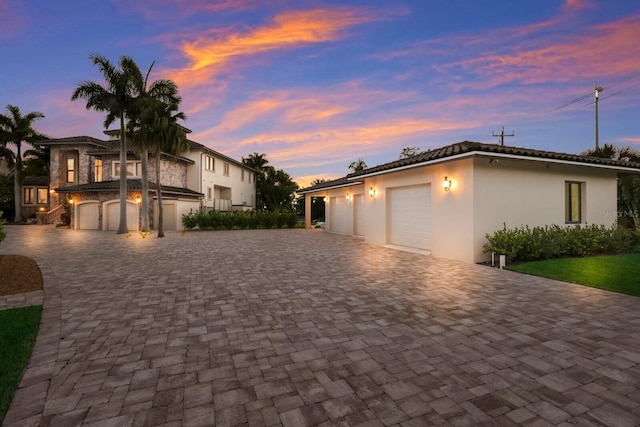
[19,274]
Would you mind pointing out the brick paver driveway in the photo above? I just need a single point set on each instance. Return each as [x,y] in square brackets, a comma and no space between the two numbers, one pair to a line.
[302,328]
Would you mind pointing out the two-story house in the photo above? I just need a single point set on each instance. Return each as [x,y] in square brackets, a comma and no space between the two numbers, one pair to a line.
[227,184]
[84,172]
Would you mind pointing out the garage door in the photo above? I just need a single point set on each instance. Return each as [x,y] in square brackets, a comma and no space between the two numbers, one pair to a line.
[87,217]
[409,211]
[169,216]
[358,205]
[113,216]
[341,215]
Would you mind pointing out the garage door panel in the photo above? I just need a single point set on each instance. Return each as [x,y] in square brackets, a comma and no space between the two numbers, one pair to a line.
[169,216]
[358,205]
[113,216]
[341,215]
[409,211]
[87,216]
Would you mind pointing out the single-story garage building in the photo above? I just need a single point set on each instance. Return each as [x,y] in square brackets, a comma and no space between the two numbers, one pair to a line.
[444,201]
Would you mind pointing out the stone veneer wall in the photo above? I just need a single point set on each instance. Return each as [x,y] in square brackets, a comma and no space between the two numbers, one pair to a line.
[106,196]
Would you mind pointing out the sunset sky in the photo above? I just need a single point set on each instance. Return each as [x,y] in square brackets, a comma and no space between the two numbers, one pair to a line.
[315,85]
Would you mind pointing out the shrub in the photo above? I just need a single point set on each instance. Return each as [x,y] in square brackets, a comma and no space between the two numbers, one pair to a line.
[2,232]
[530,244]
[243,220]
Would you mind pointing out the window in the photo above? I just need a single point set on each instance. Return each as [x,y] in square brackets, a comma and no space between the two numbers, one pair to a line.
[573,202]
[43,195]
[226,169]
[134,169]
[242,175]
[71,170]
[27,199]
[97,170]
[209,193]
[210,163]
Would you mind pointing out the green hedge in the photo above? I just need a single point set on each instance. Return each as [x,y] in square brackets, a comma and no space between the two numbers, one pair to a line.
[530,244]
[238,220]
[2,232]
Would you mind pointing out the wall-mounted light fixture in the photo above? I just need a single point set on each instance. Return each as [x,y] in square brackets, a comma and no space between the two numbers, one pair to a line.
[446,184]
[349,197]
[372,192]
[325,199]
[70,201]
[138,201]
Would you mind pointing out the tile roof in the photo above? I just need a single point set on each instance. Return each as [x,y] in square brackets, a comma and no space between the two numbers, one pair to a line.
[476,148]
[132,184]
[76,140]
[42,181]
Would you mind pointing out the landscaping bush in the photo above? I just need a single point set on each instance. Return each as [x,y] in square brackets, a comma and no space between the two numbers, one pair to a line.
[530,244]
[243,220]
[2,232]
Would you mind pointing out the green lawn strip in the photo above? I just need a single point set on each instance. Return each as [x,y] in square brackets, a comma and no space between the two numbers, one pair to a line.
[18,331]
[619,273]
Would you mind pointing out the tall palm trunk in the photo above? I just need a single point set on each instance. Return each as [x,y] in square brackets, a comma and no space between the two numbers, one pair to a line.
[17,184]
[159,193]
[144,183]
[122,227]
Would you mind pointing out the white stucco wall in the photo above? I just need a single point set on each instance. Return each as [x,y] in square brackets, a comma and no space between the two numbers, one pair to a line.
[518,193]
[482,198]
[200,179]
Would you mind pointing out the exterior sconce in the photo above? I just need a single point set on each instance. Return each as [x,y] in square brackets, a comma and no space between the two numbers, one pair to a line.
[326,199]
[372,192]
[70,201]
[349,197]
[52,191]
[446,184]
[41,209]
[138,201]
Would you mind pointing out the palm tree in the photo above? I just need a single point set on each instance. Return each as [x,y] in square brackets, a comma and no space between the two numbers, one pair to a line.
[160,90]
[116,98]
[16,129]
[358,165]
[158,124]
[259,162]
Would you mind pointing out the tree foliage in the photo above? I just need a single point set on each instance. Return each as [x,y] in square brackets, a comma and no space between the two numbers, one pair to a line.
[142,126]
[409,152]
[274,187]
[117,98]
[358,165]
[628,185]
[16,129]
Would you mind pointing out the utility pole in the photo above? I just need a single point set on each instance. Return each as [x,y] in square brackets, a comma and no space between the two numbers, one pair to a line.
[502,135]
[597,89]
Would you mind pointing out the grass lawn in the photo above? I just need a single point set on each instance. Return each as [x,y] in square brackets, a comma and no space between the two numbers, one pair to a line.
[619,273]
[18,330]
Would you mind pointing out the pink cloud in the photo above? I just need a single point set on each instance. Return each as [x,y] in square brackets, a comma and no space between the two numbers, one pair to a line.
[209,53]
[604,50]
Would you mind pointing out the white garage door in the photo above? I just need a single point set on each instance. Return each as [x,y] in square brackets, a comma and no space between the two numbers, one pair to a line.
[358,205]
[113,216]
[341,215]
[87,216]
[409,211]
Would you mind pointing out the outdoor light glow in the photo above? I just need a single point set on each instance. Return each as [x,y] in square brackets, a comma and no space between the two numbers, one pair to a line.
[446,184]
[349,197]
[372,192]
[326,199]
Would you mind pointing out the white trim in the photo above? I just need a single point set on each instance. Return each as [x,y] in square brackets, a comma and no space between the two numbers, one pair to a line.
[319,190]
